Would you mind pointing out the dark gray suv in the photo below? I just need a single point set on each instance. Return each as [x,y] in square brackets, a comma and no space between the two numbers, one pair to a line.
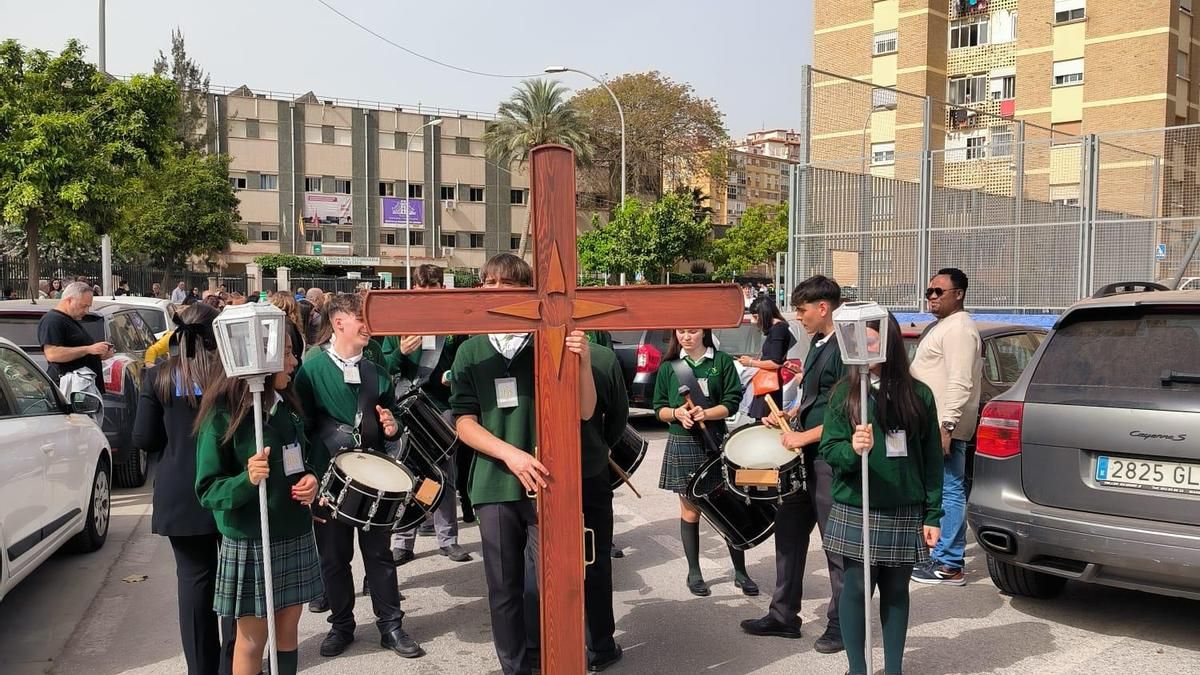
[1088,468]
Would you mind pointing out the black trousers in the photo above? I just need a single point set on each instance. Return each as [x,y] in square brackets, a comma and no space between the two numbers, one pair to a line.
[597,582]
[794,523]
[509,534]
[462,457]
[196,583]
[335,542]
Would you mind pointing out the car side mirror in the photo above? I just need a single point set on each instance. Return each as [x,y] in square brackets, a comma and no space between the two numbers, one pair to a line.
[85,403]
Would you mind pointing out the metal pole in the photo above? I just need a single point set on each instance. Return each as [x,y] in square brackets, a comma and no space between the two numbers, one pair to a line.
[1187,259]
[864,382]
[106,283]
[256,386]
[292,187]
[100,51]
[407,209]
[1018,207]
[620,114]
[367,176]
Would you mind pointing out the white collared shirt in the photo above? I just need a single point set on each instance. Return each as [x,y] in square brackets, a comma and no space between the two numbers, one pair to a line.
[508,345]
[342,361]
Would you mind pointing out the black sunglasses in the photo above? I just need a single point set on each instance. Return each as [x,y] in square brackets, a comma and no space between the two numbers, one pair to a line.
[934,292]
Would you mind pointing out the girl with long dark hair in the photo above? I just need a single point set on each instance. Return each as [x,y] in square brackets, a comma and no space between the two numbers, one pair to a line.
[902,446]
[778,340]
[166,417]
[692,351]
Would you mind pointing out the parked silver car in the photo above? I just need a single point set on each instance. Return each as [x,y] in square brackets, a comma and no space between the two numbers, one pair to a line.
[1088,468]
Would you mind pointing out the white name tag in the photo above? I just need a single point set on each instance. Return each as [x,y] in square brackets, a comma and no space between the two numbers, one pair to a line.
[897,444]
[293,459]
[506,392]
[703,382]
[350,375]
[428,342]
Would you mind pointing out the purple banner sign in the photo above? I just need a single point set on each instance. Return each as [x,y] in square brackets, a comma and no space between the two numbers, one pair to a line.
[397,211]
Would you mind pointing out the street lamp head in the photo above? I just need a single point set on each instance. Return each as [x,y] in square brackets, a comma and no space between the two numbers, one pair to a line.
[556,69]
[434,122]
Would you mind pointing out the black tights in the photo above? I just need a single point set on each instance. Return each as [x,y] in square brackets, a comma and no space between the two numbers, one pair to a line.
[893,613]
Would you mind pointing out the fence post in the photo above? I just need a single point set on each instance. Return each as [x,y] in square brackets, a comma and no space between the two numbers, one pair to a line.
[798,190]
[1018,206]
[282,280]
[1089,186]
[924,203]
[253,279]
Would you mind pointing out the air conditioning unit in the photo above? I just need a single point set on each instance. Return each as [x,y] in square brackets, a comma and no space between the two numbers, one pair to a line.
[448,251]
[450,204]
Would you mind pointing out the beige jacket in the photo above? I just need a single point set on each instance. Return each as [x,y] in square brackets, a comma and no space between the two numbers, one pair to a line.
[950,360]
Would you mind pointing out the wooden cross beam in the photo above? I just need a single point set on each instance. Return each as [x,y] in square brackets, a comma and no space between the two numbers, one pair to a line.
[551,310]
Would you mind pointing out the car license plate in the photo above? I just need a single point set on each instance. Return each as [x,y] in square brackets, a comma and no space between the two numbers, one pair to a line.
[1175,477]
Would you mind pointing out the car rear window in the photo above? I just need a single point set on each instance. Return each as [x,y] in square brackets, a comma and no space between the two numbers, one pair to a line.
[626,337]
[22,330]
[746,339]
[1120,357]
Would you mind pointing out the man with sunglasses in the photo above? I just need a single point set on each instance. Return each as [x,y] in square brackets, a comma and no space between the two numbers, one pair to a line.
[949,360]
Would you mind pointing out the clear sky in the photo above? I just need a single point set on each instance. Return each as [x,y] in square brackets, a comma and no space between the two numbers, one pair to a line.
[746,55]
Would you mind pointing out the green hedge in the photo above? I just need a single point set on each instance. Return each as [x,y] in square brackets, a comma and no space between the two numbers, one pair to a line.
[298,264]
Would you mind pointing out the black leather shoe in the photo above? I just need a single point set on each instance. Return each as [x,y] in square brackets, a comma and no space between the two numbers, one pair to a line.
[399,642]
[335,643]
[617,553]
[830,641]
[698,587]
[401,556]
[366,587]
[768,627]
[747,585]
[319,604]
[456,553]
[599,662]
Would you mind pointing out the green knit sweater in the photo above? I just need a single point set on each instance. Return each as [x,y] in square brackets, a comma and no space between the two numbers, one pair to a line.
[718,373]
[323,393]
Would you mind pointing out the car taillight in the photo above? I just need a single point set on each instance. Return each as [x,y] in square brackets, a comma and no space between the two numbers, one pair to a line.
[114,381]
[648,359]
[999,433]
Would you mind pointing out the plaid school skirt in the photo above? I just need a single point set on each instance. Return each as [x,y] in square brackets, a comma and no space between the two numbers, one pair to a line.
[896,534]
[683,457]
[241,589]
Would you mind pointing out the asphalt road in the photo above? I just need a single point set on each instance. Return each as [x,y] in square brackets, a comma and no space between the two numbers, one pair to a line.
[95,615]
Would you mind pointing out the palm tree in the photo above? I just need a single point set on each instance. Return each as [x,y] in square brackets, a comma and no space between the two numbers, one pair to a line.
[537,113]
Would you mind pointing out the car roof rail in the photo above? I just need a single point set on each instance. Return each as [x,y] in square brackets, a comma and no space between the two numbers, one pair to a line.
[1122,287]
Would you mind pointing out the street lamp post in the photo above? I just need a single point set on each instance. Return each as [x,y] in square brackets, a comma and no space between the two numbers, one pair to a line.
[620,113]
[407,206]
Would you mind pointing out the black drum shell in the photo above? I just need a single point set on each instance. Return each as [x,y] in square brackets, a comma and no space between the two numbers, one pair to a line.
[628,454]
[354,507]
[744,523]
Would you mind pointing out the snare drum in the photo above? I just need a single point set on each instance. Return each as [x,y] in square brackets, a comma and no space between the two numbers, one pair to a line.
[430,483]
[366,489]
[424,427]
[744,523]
[628,454]
[757,466]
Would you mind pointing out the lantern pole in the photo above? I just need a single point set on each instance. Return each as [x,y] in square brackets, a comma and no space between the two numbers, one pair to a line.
[256,384]
[864,383]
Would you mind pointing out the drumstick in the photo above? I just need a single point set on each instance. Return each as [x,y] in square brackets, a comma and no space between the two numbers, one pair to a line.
[779,419]
[686,393]
[624,476]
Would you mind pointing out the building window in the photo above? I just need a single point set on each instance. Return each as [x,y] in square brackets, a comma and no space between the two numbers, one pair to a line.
[416,238]
[967,89]
[1186,5]
[341,186]
[1068,10]
[1182,65]
[388,238]
[976,147]
[475,194]
[885,43]
[312,183]
[342,137]
[1064,195]
[969,32]
[1002,142]
[387,140]
[462,145]
[416,191]
[883,154]
[449,240]
[327,134]
[268,181]
[251,128]
[516,197]
[238,182]
[387,188]
[1004,87]
[342,236]
[1068,72]
[447,192]
[514,242]
[1003,27]
[1065,133]
[312,234]
[268,235]
[476,240]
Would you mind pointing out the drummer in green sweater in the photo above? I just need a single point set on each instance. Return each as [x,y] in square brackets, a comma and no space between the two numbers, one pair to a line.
[229,469]
[493,405]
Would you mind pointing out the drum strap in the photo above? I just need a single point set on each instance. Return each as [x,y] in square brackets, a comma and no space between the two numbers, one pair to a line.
[368,395]
[429,361]
[683,373]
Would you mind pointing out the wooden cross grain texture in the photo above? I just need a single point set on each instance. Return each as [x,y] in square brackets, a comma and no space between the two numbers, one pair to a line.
[551,310]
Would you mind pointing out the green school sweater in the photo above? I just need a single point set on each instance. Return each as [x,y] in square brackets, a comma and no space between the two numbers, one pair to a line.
[323,393]
[223,485]
[724,388]
[831,373]
[398,363]
[477,366]
[607,424]
[895,481]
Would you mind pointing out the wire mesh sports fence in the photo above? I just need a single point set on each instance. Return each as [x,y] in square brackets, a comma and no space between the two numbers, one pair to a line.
[1036,218]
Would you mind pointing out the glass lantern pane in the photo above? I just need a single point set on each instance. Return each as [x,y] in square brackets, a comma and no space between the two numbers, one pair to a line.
[849,340]
[241,344]
[271,342]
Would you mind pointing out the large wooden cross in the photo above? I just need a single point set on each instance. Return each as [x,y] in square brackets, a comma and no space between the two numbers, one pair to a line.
[551,310]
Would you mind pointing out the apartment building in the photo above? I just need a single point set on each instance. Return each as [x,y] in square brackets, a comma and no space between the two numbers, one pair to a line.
[752,179]
[785,144]
[361,185]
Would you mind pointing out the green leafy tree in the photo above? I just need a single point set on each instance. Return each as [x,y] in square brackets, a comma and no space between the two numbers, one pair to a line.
[69,138]
[537,113]
[645,238]
[192,83]
[762,232]
[609,246]
[185,207]
[298,264]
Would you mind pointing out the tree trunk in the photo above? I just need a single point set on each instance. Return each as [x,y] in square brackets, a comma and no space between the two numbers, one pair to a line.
[525,232]
[32,228]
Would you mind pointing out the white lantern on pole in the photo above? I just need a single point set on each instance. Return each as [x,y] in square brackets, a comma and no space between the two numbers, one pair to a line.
[250,340]
[850,323]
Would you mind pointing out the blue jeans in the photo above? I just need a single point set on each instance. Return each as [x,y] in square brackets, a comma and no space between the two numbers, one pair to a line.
[953,542]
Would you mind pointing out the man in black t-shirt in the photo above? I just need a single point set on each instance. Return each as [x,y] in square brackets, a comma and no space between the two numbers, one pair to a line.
[65,342]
